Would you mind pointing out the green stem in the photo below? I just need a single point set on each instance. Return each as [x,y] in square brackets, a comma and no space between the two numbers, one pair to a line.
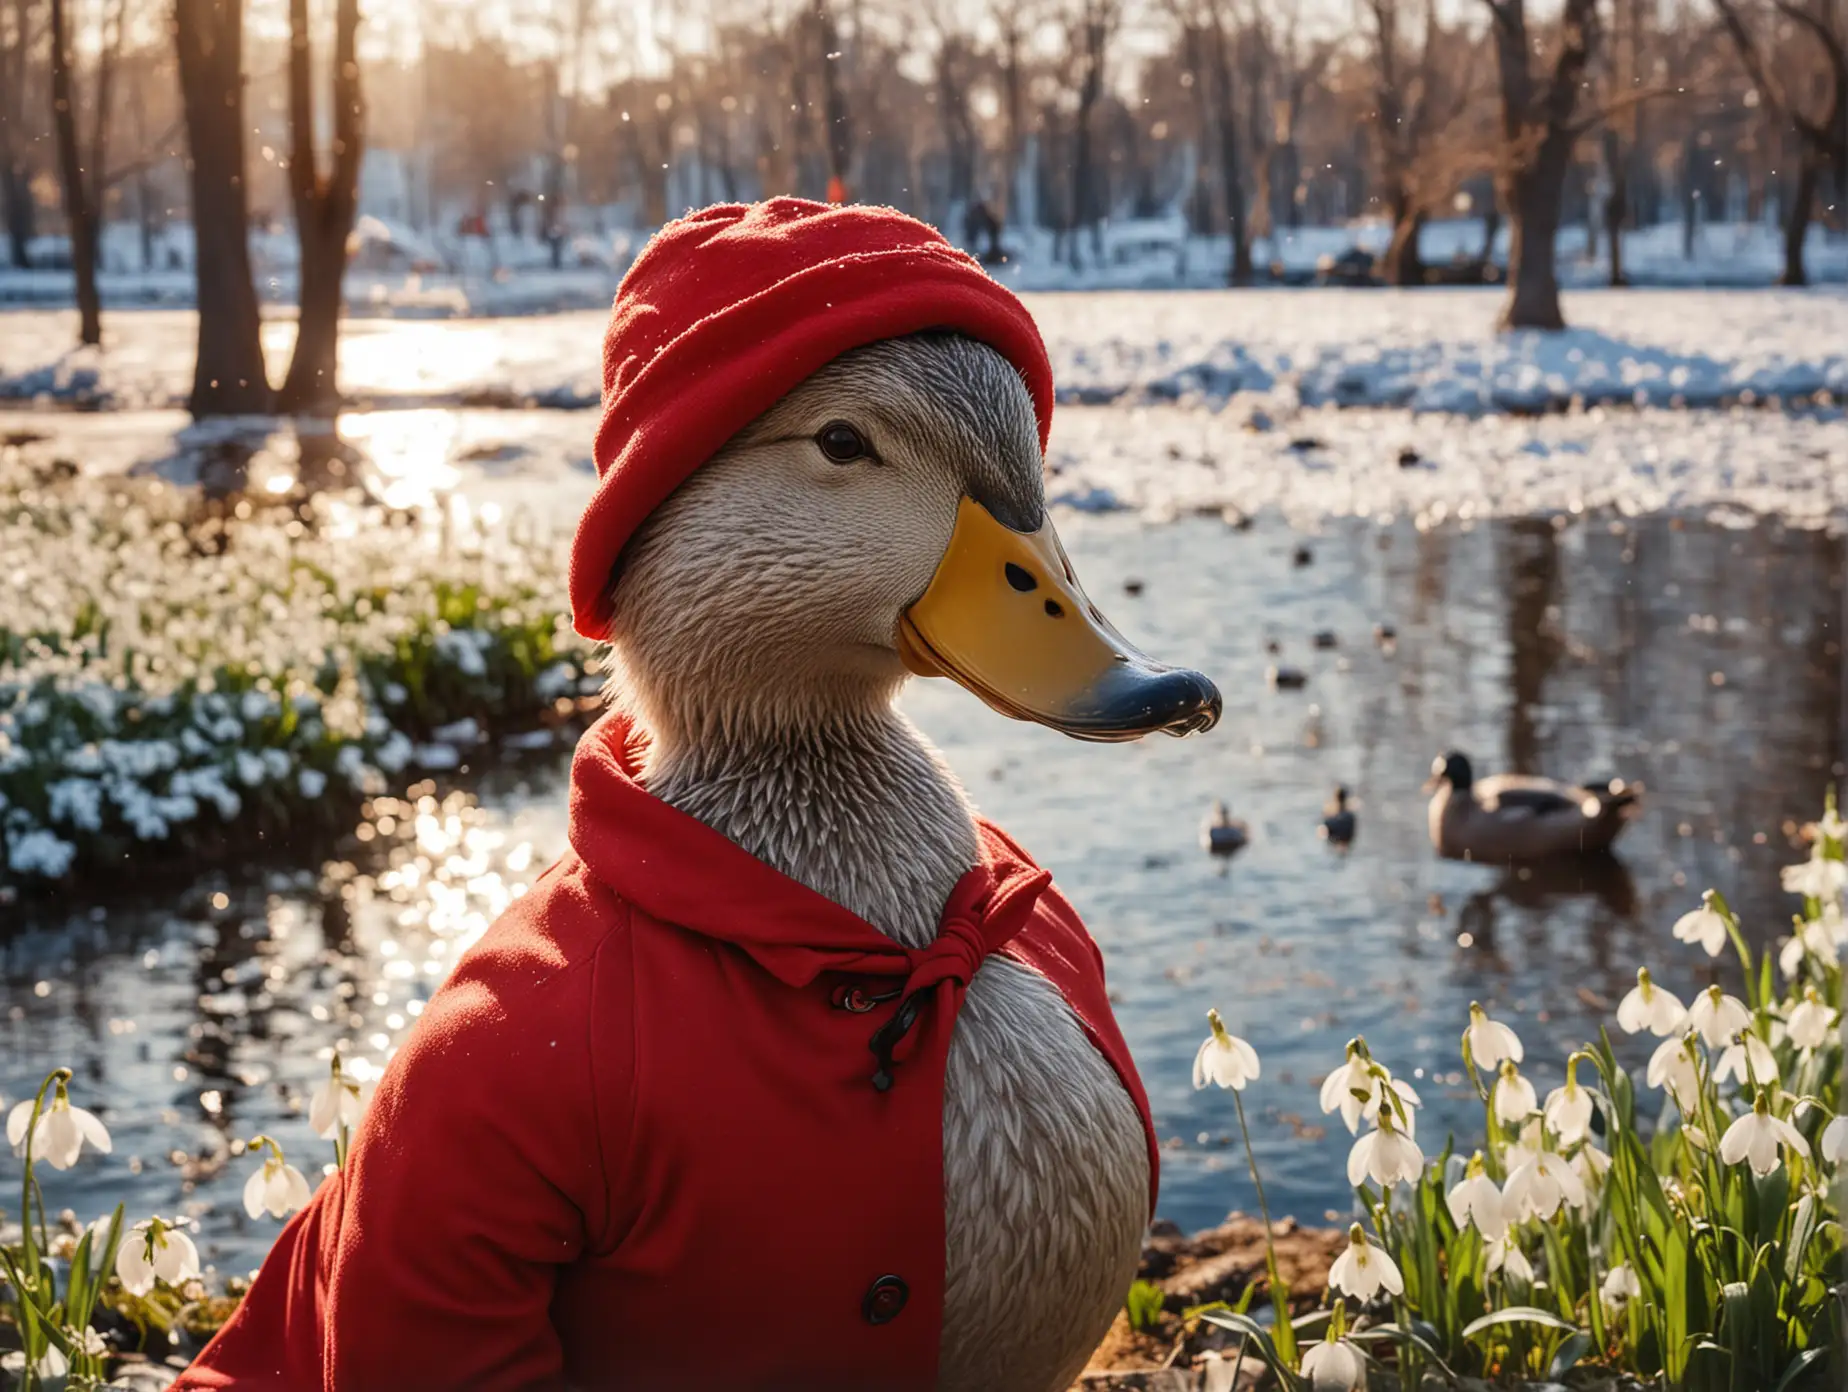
[1279,1304]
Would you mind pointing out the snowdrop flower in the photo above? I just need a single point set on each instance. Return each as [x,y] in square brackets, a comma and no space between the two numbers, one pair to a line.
[1718,1016]
[156,1250]
[1832,827]
[1332,1366]
[1539,1186]
[1696,1137]
[337,1102]
[1649,1007]
[1363,1271]
[1385,1156]
[1476,1199]
[1358,1088]
[1591,1165]
[1620,1284]
[48,1365]
[1490,1041]
[1568,1108]
[1224,1058]
[88,1341]
[1815,878]
[1524,1146]
[1673,1067]
[1704,926]
[62,1129]
[276,1187]
[1833,1142]
[1750,1050]
[1756,1136]
[1812,938]
[1505,1256]
[1514,1096]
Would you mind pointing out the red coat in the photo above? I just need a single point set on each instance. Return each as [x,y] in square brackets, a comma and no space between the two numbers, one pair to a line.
[636,1139]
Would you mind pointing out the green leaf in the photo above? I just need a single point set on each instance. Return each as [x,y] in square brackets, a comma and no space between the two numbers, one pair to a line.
[1144,1303]
[1399,1334]
[1568,1356]
[1259,1338]
[1518,1314]
[1797,1365]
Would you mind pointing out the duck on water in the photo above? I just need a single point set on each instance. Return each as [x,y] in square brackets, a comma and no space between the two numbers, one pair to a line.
[1510,817]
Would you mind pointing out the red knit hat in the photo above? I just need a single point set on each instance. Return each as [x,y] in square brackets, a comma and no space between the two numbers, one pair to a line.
[727,310]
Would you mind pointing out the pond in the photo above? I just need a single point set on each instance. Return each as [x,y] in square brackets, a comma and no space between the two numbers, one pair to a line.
[1703,659]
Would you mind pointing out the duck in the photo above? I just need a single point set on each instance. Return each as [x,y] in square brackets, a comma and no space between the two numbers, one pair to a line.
[1339,824]
[1506,818]
[788,991]
[1222,834]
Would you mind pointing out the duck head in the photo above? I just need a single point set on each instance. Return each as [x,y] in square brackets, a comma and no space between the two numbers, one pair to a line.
[1452,768]
[886,517]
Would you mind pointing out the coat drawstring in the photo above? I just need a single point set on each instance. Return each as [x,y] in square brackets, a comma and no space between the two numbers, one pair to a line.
[977,922]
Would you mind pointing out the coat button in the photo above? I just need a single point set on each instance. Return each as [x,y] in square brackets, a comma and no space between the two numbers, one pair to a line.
[884,1299]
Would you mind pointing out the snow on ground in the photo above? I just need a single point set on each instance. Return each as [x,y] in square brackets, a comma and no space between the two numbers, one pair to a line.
[1160,461]
[1426,350]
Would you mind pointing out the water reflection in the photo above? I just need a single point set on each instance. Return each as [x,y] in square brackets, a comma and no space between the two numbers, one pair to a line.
[1703,660]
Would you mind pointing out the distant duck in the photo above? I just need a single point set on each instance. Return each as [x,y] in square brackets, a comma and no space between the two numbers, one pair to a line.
[1511,817]
[1338,826]
[1282,678]
[1221,833]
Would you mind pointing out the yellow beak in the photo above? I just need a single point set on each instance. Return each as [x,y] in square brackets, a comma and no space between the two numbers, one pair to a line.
[1004,616]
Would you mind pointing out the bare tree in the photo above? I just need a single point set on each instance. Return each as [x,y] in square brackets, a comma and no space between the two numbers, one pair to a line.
[18,37]
[1421,94]
[228,376]
[324,206]
[1011,23]
[1094,23]
[1538,136]
[81,165]
[1822,141]
[1281,69]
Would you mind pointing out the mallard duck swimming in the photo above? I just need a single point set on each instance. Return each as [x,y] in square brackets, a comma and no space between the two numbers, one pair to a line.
[1513,817]
[1338,826]
[1221,833]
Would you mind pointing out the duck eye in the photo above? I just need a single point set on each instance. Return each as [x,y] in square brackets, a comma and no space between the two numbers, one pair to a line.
[841,442]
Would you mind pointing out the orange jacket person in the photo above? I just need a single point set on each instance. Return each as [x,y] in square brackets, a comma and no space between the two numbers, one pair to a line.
[794,1073]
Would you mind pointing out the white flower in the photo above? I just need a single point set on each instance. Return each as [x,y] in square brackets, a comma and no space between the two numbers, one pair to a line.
[1756,1136]
[61,1131]
[156,1250]
[1539,1186]
[1673,1067]
[1833,1142]
[1590,1165]
[1811,1021]
[1649,1007]
[1814,938]
[1718,1016]
[1333,1366]
[1620,1284]
[1514,1096]
[1832,827]
[1704,926]
[1696,1137]
[1490,1041]
[1568,1110]
[338,1102]
[1476,1199]
[1357,1088]
[275,1187]
[1521,1149]
[50,1364]
[1733,1062]
[1224,1058]
[1505,1256]
[1385,1157]
[1363,1271]
[89,1341]
[1815,878]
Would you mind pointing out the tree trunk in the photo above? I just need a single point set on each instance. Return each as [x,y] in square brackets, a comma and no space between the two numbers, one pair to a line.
[1533,234]
[78,211]
[16,193]
[324,209]
[839,136]
[228,376]
[1239,272]
[1797,219]
[1616,202]
[1404,264]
